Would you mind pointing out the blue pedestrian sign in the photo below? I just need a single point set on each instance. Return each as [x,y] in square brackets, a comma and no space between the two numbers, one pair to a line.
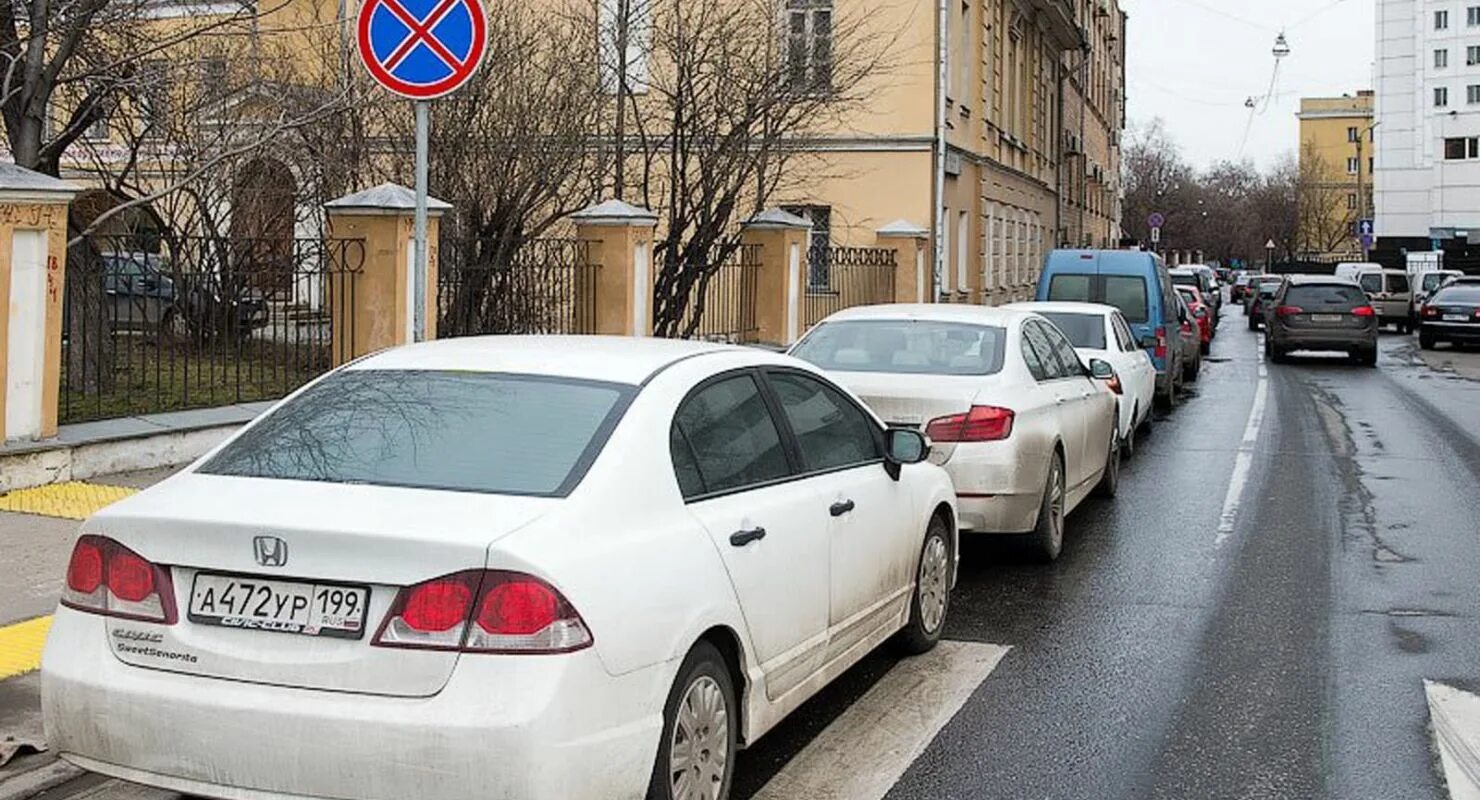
[1365,228]
[422,49]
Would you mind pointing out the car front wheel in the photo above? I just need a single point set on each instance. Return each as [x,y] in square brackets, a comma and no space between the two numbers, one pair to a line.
[696,757]
[932,592]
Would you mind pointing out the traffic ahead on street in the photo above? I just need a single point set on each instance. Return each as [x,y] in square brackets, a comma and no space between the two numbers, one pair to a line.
[935,551]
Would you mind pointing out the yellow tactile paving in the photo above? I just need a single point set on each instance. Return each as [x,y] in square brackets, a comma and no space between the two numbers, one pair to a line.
[20,646]
[71,500]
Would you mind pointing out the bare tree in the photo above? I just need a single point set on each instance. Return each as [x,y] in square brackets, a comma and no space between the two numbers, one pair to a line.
[1327,220]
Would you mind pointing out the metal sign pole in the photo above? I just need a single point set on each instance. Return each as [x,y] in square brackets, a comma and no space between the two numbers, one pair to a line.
[419,278]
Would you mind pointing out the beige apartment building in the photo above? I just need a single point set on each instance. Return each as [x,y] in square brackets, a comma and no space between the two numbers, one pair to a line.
[1337,156]
[999,131]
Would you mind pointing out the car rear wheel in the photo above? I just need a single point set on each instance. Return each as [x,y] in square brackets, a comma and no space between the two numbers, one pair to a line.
[932,593]
[1426,340]
[1253,322]
[1047,539]
[1369,357]
[1128,441]
[696,757]
[1109,484]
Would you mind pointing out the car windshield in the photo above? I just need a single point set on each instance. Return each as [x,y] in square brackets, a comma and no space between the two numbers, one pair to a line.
[1336,296]
[1084,330]
[463,431]
[1466,295]
[907,346]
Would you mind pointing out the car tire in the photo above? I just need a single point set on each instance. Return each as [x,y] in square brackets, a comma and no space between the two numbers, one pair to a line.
[1369,357]
[1128,442]
[1109,484]
[1046,541]
[1196,369]
[705,685]
[1169,398]
[1207,348]
[1426,341]
[932,596]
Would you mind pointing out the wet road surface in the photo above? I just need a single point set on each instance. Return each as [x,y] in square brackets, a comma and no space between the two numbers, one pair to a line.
[1281,657]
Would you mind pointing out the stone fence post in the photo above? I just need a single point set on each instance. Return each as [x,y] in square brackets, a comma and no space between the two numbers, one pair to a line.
[33,280]
[620,236]
[781,282]
[374,308]
[911,244]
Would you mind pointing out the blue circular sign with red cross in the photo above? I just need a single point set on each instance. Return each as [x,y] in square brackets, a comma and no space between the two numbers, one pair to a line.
[422,49]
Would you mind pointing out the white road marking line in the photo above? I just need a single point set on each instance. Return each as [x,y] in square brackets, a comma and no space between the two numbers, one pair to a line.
[1243,463]
[864,751]
[1456,720]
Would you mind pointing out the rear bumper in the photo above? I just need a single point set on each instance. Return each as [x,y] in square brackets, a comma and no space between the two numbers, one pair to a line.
[1344,340]
[1452,331]
[998,488]
[529,727]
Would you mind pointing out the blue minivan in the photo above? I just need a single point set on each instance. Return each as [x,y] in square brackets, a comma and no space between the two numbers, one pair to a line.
[1137,283]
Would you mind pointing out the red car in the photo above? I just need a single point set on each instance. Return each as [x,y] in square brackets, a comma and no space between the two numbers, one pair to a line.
[1203,313]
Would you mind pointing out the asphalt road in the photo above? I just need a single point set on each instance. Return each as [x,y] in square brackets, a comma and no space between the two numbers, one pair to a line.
[1192,642]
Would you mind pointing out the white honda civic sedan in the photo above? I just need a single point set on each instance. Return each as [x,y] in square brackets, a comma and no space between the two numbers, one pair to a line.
[1100,331]
[1023,426]
[499,567]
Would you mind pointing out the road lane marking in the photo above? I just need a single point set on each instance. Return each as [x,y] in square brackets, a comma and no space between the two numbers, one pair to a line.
[20,646]
[864,751]
[70,500]
[1243,463]
[1456,720]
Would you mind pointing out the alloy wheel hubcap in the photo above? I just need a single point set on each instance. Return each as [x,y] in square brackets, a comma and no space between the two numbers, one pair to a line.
[934,567]
[700,747]
[1056,506]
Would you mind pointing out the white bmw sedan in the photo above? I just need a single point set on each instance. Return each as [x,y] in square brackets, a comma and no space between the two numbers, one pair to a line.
[1024,428]
[499,567]
[1099,331]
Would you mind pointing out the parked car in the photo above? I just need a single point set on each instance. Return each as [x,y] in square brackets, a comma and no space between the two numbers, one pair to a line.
[1349,270]
[140,295]
[1212,288]
[1133,281]
[1101,332]
[1194,278]
[1024,428]
[1202,315]
[143,295]
[1451,315]
[1315,312]
[1258,297]
[1240,286]
[1190,338]
[1391,294]
[540,567]
[1429,282]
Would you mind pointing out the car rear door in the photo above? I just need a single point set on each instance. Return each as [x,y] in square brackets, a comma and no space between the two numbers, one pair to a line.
[870,542]
[768,525]
[1088,401]
[1067,392]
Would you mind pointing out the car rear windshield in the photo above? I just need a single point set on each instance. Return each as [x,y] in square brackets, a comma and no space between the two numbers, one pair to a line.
[1083,330]
[433,429]
[1397,283]
[905,346]
[1466,295]
[1371,282]
[1333,296]
[1432,280]
[1128,293]
[1186,280]
[1071,288]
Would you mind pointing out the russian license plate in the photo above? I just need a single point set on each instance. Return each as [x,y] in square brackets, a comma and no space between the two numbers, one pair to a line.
[1456,318]
[1325,317]
[311,609]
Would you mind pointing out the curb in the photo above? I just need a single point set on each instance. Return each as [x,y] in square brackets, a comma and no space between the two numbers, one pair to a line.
[38,779]
[1461,752]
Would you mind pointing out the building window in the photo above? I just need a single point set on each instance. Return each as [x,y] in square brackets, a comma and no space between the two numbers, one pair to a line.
[1441,59]
[1351,166]
[810,45]
[1351,201]
[154,97]
[1351,134]
[963,253]
[1461,148]
[98,130]
[1472,94]
[819,246]
[1441,20]
[1441,96]
[1472,16]
[1472,55]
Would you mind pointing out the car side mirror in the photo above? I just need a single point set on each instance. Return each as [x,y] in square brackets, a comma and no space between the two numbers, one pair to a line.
[1101,369]
[905,446]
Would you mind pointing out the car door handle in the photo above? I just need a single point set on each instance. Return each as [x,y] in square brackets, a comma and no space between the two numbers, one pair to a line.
[742,538]
[842,507]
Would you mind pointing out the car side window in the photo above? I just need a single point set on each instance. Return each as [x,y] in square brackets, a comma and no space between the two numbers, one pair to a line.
[831,431]
[1069,362]
[685,467]
[1030,355]
[733,441]
[1040,338]
[1123,333]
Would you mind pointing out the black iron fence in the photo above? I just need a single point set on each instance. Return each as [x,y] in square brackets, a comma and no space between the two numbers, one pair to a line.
[195,322]
[485,286]
[854,276]
[722,307]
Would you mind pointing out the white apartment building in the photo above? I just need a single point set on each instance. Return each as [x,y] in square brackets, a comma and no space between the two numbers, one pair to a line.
[1427,173]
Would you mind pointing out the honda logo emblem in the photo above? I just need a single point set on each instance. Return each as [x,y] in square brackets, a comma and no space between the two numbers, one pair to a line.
[270,551]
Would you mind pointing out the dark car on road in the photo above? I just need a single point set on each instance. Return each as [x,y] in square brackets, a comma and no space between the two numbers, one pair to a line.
[1256,301]
[1311,312]
[1451,315]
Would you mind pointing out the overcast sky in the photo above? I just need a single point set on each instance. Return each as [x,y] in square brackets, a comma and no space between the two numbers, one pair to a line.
[1195,62]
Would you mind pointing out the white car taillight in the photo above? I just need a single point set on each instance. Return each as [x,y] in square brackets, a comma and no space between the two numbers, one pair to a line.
[104,577]
[483,611]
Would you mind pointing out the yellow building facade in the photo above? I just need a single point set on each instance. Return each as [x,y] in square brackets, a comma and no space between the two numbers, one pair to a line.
[1336,160]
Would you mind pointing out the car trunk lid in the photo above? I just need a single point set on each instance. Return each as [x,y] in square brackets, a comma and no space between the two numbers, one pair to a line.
[204,531]
[912,400]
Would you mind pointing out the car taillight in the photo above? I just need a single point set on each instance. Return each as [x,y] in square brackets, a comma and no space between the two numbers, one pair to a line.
[1368,311]
[1161,342]
[1114,385]
[104,577]
[1288,311]
[980,424]
[483,611]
